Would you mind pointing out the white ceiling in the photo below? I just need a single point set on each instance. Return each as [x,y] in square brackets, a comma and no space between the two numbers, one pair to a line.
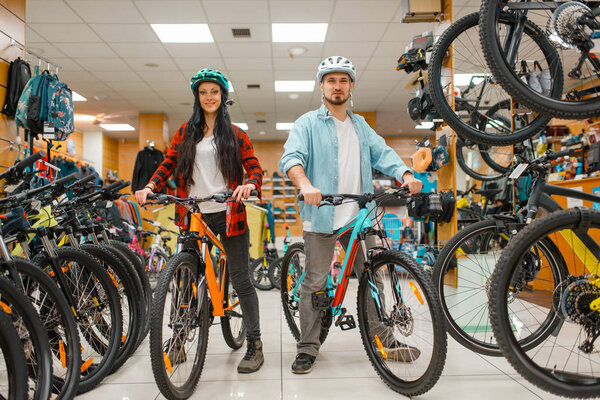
[103,46]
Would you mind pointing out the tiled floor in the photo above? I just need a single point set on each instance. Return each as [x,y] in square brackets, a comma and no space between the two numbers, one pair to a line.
[342,370]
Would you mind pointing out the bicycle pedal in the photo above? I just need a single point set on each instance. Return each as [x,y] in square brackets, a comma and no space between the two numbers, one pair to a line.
[346,322]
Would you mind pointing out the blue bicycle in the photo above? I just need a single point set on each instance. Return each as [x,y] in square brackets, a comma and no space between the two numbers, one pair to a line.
[399,316]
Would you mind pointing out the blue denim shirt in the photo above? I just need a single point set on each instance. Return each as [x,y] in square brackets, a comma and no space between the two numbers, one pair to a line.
[312,143]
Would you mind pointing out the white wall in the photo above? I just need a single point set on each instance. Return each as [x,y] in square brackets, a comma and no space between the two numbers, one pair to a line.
[92,149]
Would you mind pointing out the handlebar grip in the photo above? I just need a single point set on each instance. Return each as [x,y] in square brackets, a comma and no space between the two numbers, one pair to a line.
[152,196]
[559,154]
[123,185]
[66,179]
[84,180]
[21,165]
[113,186]
[254,193]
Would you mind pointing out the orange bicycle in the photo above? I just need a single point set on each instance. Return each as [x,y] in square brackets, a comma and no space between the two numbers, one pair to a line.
[192,290]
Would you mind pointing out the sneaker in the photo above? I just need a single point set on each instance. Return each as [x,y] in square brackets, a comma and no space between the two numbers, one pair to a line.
[303,363]
[277,177]
[277,193]
[401,352]
[253,359]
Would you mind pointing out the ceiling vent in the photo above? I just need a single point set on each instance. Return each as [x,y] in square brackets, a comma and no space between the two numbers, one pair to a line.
[240,32]
[253,86]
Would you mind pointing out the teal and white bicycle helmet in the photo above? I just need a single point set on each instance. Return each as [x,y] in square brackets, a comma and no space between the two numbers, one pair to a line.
[336,64]
[209,75]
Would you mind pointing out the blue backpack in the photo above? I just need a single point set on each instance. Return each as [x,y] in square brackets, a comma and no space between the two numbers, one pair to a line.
[60,109]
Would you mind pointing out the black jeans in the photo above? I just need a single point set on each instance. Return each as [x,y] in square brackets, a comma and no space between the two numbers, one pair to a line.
[236,248]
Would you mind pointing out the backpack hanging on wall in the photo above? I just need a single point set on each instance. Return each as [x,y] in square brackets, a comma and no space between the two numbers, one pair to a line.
[19,74]
[60,109]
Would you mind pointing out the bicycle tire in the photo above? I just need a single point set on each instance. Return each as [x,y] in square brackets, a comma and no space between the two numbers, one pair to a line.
[290,306]
[140,270]
[552,379]
[130,293]
[157,259]
[259,275]
[460,159]
[228,323]
[445,109]
[30,329]
[14,360]
[275,272]
[159,349]
[438,340]
[57,318]
[88,323]
[552,106]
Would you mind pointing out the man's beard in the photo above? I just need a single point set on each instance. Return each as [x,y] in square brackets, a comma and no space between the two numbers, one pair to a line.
[337,102]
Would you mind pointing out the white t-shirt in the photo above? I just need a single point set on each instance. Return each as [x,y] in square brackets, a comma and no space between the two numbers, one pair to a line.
[207,176]
[349,177]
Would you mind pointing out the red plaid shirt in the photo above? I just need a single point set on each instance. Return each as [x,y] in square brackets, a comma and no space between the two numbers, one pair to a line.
[236,212]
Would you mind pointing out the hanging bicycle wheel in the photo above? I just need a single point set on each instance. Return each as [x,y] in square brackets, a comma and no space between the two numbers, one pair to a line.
[467,96]
[471,160]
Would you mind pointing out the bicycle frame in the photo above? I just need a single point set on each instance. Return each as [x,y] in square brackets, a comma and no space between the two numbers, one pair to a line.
[214,282]
[358,226]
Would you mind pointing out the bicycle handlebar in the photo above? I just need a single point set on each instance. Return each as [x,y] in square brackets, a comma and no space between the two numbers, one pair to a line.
[21,165]
[217,197]
[337,199]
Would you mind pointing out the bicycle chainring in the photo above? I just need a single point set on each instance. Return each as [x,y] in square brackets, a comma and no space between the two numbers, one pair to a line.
[563,26]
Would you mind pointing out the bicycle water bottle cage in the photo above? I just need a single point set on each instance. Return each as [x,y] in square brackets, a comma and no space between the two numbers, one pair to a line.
[321,300]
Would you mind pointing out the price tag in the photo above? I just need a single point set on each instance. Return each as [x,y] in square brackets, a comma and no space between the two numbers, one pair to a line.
[113,231]
[49,132]
[518,171]
[109,204]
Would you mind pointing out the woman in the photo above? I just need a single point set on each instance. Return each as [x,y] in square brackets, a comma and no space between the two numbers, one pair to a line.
[208,155]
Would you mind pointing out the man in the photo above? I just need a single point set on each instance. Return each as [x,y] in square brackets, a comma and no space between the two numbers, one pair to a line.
[332,150]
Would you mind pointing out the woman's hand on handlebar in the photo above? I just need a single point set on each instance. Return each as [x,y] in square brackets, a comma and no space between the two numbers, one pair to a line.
[242,191]
[140,195]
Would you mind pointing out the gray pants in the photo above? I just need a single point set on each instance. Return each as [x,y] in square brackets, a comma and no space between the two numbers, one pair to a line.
[319,253]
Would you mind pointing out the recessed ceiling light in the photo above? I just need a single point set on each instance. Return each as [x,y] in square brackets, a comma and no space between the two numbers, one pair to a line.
[294,86]
[299,33]
[183,33]
[297,51]
[425,125]
[117,127]
[241,125]
[100,97]
[294,96]
[262,133]
[284,126]
[78,97]
[151,65]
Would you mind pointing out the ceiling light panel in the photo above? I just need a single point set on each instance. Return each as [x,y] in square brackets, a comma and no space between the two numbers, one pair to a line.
[241,125]
[78,97]
[183,33]
[284,126]
[294,86]
[117,127]
[296,33]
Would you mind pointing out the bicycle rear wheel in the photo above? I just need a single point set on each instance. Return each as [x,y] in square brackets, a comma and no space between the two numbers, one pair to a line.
[408,346]
[181,317]
[559,30]
[565,362]
[232,324]
[259,274]
[13,370]
[292,274]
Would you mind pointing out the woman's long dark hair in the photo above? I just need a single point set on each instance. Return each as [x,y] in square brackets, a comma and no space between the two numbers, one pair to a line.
[229,157]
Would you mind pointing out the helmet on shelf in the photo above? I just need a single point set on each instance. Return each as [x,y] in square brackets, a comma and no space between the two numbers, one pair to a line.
[336,64]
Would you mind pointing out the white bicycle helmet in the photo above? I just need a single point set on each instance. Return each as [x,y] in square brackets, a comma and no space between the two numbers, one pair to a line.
[336,64]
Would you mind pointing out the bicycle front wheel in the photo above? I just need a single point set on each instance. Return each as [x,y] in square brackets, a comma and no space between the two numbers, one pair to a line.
[401,323]
[179,327]
[565,362]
